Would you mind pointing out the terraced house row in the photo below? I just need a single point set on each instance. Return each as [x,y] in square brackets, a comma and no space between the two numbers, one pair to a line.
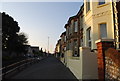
[90,45]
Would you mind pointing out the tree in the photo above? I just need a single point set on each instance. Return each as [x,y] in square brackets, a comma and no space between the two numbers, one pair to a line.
[41,50]
[9,32]
[11,40]
[21,43]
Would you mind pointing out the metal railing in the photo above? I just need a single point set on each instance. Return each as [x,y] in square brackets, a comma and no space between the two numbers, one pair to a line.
[16,67]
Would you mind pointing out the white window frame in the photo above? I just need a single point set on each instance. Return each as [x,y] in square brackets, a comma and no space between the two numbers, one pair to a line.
[81,42]
[87,5]
[75,48]
[89,36]
[76,26]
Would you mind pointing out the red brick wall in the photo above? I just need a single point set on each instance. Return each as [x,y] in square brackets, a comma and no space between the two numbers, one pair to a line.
[114,58]
[114,55]
[101,47]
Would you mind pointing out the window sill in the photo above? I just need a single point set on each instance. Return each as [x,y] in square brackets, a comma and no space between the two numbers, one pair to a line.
[102,5]
[75,58]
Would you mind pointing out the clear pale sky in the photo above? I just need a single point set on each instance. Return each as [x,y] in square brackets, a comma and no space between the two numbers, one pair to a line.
[42,19]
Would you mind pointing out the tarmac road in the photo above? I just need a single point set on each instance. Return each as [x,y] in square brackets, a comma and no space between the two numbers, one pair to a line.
[48,68]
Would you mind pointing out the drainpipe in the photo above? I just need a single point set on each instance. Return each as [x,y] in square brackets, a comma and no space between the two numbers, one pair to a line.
[116,30]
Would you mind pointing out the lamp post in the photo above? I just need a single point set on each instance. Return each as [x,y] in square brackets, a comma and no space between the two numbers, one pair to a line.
[48,44]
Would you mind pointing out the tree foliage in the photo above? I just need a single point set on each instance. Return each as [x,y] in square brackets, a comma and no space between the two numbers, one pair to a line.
[12,40]
[41,50]
[21,42]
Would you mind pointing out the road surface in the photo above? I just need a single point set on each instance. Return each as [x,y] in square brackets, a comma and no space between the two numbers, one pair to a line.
[48,68]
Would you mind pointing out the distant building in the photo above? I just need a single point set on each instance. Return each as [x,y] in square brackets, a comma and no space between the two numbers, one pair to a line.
[31,50]
[35,50]
[58,48]
[63,46]
[74,33]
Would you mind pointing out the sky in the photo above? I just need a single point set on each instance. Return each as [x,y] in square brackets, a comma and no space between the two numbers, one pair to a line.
[40,20]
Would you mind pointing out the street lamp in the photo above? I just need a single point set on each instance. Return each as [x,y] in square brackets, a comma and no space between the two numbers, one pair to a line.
[48,44]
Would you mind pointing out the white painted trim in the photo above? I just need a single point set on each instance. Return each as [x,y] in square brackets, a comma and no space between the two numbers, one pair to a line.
[103,40]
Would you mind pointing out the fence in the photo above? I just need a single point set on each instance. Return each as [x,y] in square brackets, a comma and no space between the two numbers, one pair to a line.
[14,68]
